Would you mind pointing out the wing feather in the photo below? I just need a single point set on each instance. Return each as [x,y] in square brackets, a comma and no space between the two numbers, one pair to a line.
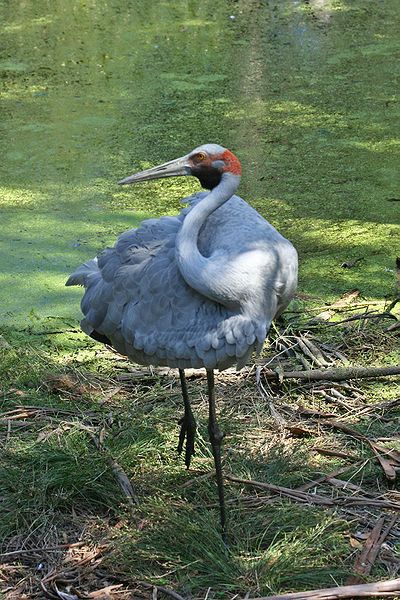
[136,297]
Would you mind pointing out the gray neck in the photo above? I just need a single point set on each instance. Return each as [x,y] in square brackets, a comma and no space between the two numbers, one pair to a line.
[197,270]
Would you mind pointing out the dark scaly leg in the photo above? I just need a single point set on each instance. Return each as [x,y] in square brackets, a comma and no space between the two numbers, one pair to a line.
[187,423]
[216,439]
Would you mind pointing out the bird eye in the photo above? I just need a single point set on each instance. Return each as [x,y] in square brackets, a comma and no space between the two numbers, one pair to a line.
[200,156]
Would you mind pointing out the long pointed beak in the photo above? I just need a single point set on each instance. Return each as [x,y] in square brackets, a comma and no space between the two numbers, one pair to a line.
[173,168]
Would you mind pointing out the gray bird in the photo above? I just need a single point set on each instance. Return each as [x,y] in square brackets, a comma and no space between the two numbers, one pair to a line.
[196,290]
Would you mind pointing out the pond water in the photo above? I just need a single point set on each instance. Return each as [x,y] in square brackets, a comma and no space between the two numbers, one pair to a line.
[305,92]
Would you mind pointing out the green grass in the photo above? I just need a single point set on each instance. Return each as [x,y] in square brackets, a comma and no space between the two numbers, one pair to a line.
[56,486]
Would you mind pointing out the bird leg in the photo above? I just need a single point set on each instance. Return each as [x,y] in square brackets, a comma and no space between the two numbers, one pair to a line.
[187,423]
[216,438]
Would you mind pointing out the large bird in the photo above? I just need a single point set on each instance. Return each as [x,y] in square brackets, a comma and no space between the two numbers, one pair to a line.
[196,290]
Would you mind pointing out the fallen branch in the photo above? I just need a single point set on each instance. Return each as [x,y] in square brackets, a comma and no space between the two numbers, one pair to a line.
[339,374]
[346,429]
[365,560]
[361,501]
[389,588]
[373,409]
[312,351]
[348,485]
[197,479]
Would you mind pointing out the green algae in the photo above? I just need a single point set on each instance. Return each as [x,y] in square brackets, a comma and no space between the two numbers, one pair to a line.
[306,93]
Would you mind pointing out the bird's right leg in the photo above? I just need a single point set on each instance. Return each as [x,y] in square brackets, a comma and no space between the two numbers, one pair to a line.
[187,423]
[216,437]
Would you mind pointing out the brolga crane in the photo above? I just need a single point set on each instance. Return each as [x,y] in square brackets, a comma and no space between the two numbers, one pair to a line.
[196,290]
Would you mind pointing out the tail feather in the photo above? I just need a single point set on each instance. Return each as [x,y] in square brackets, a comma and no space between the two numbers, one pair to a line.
[82,273]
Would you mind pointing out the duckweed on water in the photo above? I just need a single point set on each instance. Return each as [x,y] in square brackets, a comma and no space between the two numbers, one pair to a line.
[305,93]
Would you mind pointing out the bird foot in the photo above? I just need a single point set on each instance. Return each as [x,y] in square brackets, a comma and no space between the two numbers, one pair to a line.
[188,432]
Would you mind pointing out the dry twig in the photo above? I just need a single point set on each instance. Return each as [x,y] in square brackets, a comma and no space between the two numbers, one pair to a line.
[312,484]
[388,458]
[297,495]
[121,476]
[300,496]
[41,550]
[162,589]
[389,588]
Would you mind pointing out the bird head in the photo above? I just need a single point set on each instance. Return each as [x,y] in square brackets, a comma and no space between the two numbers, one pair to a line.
[208,163]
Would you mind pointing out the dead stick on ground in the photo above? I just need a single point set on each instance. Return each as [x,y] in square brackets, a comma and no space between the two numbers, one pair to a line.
[310,484]
[388,458]
[390,588]
[34,550]
[121,476]
[339,374]
[327,452]
[300,496]
[94,558]
[370,551]
[276,415]
[366,315]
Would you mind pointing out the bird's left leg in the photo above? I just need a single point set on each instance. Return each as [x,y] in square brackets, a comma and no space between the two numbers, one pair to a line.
[216,438]
[187,423]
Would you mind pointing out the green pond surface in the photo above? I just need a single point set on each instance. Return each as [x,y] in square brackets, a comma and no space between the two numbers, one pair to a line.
[305,92]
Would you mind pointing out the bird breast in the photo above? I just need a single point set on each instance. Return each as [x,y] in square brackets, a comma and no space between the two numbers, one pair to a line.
[249,260]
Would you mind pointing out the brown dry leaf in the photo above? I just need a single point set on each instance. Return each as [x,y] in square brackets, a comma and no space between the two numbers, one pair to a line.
[355,543]
[299,431]
[66,383]
[104,593]
[389,459]
[17,392]
[344,300]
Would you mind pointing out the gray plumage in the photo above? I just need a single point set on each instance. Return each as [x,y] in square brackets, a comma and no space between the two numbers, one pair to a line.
[203,295]
[196,290]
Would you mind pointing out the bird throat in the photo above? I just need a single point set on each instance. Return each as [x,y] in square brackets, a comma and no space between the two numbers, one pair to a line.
[209,178]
